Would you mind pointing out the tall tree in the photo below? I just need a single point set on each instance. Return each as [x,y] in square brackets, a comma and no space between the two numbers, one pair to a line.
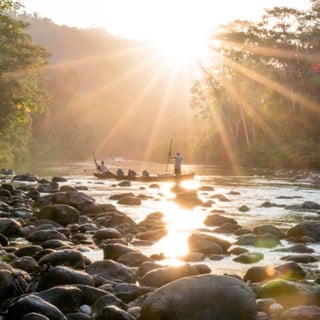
[22,91]
[269,78]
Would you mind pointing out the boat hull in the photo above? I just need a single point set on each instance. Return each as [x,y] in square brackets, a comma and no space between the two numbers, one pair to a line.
[151,178]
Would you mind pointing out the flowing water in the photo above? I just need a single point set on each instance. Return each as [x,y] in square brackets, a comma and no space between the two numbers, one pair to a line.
[239,189]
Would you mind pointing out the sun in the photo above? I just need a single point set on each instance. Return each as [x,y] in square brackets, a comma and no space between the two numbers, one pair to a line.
[182,49]
[180,30]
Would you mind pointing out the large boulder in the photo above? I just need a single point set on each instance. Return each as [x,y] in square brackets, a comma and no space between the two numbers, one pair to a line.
[60,213]
[161,276]
[309,229]
[205,297]
[290,293]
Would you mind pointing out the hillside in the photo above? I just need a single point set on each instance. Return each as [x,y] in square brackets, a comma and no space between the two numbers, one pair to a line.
[112,95]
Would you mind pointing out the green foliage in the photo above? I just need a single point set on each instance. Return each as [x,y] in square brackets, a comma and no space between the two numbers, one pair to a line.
[21,93]
[264,99]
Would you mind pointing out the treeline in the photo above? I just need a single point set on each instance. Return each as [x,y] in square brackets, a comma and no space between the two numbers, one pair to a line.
[260,95]
[66,92]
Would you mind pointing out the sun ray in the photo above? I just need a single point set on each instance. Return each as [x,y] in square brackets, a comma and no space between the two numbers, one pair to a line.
[282,89]
[134,106]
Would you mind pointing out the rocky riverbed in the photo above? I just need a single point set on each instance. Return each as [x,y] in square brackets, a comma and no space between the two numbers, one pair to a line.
[47,227]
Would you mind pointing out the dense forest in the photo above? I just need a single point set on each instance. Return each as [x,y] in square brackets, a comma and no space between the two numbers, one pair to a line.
[66,92]
[260,100]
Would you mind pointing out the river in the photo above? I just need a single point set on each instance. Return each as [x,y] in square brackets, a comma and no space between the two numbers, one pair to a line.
[238,188]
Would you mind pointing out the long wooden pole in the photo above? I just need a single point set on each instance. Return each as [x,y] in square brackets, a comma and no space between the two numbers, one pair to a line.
[169,155]
[95,161]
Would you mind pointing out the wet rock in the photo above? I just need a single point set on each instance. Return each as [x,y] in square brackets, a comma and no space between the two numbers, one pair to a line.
[249,257]
[207,244]
[309,229]
[5,194]
[7,280]
[107,300]
[310,205]
[68,257]
[33,303]
[90,294]
[238,250]
[6,172]
[206,188]
[38,255]
[60,213]
[66,188]
[269,229]
[244,208]
[290,270]
[96,208]
[78,316]
[34,316]
[9,227]
[29,177]
[152,235]
[125,183]
[75,199]
[59,179]
[257,274]
[28,250]
[107,233]
[261,240]
[147,266]
[111,270]
[66,298]
[133,259]
[162,276]
[113,313]
[115,219]
[114,251]
[302,312]
[47,187]
[120,196]
[40,236]
[220,197]
[218,220]
[201,297]
[193,257]
[227,228]
[62,275]
[300,258]
[290,293]
[298,248]
[130,201]
[129,291]
[27,264]
[56,243]
[4,241]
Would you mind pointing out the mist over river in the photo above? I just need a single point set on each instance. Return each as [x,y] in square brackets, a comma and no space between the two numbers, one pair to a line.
[225,193]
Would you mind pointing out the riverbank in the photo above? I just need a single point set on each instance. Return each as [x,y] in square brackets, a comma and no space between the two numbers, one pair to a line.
[49,226]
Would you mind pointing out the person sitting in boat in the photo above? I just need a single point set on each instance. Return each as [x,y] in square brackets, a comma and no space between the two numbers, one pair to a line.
[102,167]
[120,172]
[145,173]
[131,173]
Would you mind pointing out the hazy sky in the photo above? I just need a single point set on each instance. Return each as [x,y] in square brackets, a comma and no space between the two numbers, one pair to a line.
[146,18]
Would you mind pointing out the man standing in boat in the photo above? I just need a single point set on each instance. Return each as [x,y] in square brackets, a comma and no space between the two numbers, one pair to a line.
[177,162]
